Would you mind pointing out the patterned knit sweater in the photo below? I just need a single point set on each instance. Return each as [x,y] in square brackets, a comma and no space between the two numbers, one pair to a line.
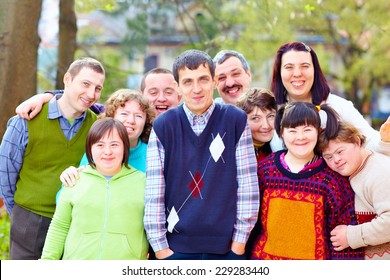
[299,210]
[372,206]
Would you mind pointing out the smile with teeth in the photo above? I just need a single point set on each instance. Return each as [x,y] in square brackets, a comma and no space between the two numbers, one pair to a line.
[161,107]
[232,90]
[297,84]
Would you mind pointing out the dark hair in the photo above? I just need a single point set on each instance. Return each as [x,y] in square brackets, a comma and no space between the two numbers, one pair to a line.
[85,62]
[192,59]
[320,89]
[223,55]
[119,99]
[153,71]
[257,97]
[346,132]
[306,113]
[97,131]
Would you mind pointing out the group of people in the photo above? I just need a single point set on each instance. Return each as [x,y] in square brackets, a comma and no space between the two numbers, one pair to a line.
[290,172]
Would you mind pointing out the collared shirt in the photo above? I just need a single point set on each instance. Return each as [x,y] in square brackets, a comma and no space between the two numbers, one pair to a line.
[247,193]
[13,147]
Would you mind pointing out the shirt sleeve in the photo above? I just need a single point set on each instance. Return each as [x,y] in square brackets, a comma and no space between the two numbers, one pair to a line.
[154,217]
[12,151]
[248,201]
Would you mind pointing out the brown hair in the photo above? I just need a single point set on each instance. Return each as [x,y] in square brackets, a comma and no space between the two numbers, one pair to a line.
[119,99]
[192,59]
[320,89]
[85,62]
[97,131]
[257,97]
[305,113]
[153,71]
[346,132]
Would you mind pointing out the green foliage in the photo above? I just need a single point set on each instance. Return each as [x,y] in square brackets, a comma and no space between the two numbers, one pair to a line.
[116,77]
[4,234]
[350,37]
[90,5]
[136,39]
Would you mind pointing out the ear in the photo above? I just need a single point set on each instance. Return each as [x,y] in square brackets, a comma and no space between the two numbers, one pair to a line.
[67,78]
[249,74]
[358,141]
[215,82]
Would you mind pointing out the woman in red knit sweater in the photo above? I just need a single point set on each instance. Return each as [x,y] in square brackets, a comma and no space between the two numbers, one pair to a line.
[302,199]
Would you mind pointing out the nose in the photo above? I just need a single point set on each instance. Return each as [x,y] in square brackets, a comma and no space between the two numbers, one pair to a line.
[229,81]
[91,93]
[300,135]
[197,88]
[161,97]
[297,72]
[336,158]
[107,150]
[130,118]
[265,123]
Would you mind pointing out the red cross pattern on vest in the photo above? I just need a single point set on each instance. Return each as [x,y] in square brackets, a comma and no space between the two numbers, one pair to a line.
[216,149]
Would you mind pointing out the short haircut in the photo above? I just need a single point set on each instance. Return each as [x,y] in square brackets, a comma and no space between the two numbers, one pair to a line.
[261,98]
[346,132]
[223,55]
[97,131]
[120,97]
[192,59]
[85,62]
[153,71]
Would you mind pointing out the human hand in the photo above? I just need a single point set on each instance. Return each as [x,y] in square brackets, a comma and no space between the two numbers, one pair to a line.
[69,176]
[165,253]
[385,130]
[338,236]
[29,108]
[238,248]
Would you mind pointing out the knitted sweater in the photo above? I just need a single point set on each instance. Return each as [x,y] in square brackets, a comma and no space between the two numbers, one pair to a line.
[201,185]
[372,206]
[261,153]
[99,219]
[299,210]
[48,153]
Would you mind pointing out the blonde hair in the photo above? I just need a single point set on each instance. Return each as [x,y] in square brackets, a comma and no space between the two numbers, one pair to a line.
[120,97]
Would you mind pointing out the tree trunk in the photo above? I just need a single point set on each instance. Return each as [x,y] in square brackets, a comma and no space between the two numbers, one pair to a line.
[19,42]
[67,39]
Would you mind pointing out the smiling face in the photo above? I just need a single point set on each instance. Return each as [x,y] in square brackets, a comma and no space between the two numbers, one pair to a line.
[162,91]
[133,118]
[300,141]
[232,79]
[342,157]
[107,153]
[81,91]
[197,88]
[297,74]
[262,125]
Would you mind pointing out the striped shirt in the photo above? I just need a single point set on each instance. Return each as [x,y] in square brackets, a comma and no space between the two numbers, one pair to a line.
[13,147]
[247,193]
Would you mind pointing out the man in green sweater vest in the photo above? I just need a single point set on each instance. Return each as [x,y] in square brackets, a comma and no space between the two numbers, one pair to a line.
[34,153]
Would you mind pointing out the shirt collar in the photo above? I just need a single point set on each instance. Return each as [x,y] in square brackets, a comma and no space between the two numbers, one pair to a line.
[55,111]
[199,119]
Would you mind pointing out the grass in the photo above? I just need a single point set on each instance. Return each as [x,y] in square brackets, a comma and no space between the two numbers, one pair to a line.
[4,234]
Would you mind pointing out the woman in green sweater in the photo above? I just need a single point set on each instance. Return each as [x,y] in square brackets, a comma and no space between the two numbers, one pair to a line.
[102,217]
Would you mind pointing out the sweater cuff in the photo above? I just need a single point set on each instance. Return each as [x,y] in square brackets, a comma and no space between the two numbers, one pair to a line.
[354,237]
